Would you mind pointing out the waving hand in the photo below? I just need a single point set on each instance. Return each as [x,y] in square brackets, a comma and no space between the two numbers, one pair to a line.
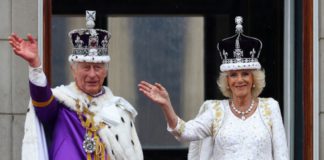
[27,50]
[158,94]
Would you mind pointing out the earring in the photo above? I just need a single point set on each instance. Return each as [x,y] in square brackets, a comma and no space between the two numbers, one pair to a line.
[253,85]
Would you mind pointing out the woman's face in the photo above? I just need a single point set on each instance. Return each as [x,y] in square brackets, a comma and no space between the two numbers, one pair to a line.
[240,82]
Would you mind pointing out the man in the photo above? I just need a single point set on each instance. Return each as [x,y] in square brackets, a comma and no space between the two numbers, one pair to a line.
[84,118]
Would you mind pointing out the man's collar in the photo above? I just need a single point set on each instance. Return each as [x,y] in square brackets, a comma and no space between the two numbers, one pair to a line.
[102,91]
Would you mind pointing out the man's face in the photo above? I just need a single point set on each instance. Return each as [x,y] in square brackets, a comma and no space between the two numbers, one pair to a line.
[89,77]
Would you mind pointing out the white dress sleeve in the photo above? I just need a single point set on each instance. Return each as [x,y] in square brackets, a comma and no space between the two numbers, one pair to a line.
[195,129]
[279,140]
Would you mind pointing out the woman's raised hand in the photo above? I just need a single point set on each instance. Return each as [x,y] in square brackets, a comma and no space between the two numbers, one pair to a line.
[27,50]
[158,94]
[155,92]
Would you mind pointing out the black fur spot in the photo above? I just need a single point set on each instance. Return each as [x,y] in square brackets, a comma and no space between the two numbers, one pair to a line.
[116,137]
[132,142]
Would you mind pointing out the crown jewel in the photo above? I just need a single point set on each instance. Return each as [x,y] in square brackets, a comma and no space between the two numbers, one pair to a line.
[239,51]
[90,45]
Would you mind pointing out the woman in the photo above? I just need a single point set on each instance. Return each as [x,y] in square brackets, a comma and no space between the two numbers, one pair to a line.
[241,127]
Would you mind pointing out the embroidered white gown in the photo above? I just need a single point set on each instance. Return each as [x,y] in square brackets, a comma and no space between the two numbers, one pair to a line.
[243,140]
[252,139]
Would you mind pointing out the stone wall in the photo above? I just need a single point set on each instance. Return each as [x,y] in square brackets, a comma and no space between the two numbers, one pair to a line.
[18,16]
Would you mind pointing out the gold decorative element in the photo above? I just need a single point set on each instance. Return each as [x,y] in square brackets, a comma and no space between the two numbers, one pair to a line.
[182,127]
[266,111]
[219,113]
[87,121]
[42,104]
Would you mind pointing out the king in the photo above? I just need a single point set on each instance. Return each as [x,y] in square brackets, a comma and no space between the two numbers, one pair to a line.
[82,120]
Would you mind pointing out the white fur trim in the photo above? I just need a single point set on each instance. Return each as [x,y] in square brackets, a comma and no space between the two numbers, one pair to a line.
[91,59]
[239,66]
[34,143]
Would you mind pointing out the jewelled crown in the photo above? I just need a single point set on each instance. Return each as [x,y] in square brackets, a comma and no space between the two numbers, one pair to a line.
[239,51]
[90,45]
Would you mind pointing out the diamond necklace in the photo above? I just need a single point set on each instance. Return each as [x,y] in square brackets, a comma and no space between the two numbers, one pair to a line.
[243,113]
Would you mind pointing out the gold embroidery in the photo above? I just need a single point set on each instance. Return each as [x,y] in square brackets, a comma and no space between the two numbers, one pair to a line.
[43,104]
[218,117]
[182,127]
[266,111]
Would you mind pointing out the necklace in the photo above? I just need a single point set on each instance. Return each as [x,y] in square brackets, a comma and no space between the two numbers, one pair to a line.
[243,113]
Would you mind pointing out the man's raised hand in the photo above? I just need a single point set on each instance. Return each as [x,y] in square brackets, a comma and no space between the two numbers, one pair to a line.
[27,50]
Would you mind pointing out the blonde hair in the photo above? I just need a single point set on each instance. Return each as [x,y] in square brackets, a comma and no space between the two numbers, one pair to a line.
[258,81]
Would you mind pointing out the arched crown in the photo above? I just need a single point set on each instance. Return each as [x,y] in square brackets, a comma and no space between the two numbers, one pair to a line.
[239,51]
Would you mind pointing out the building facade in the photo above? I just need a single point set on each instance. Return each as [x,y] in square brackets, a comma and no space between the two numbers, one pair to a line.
[20,16]
[187,40]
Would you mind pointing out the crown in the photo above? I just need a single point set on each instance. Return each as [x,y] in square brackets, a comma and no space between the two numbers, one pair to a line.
[90,45]
[239,51]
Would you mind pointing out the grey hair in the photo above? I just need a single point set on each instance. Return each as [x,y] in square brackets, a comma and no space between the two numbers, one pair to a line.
[258,81]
